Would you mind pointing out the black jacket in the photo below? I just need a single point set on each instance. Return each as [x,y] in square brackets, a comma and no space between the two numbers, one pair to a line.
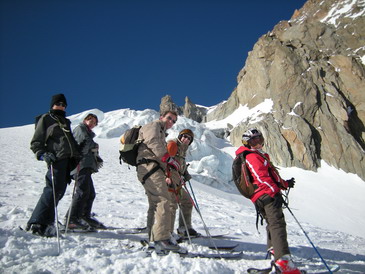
[53,134]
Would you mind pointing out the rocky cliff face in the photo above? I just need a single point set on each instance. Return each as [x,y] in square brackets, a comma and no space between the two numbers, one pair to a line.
[311,69]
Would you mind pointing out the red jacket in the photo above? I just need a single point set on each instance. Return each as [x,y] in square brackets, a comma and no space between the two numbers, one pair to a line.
[263,173]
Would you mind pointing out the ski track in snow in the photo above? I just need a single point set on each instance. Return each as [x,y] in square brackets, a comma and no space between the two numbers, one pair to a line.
[121,202]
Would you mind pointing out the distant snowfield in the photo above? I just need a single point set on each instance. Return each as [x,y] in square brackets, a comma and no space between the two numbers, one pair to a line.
[329,205]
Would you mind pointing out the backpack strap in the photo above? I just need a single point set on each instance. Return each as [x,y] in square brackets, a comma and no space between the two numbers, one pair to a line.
[272,168]
[259,217]
[153,170]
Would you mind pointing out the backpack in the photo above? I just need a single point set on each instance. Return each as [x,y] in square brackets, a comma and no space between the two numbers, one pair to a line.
[241,176]
[37,118]
[129,146]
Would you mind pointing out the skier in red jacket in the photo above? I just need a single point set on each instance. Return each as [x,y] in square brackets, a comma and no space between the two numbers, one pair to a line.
[268,199]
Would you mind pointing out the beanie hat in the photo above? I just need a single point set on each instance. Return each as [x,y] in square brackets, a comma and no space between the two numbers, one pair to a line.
[58,98]
[187,132]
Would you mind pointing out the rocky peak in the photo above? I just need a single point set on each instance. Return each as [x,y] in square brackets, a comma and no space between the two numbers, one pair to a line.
[193,111]
[168,104]
[189,110]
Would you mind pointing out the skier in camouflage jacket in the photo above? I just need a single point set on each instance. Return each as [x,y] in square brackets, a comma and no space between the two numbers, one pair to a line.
[84,195]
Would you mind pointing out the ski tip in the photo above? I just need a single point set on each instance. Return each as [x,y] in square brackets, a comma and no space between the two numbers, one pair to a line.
[335,268]
[254,270]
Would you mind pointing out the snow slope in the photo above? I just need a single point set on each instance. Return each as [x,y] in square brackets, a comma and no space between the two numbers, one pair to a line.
[329,205]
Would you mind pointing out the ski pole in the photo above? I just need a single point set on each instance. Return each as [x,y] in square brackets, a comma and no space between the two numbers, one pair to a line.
[183,217]
[192,192]
[305,233]
[201,217]
[72,199]
[55,209]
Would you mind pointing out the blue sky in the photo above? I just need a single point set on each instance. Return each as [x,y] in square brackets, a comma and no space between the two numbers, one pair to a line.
[125,54]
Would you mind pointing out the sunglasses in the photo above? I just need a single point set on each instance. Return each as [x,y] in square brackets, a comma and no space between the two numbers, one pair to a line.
[172,120]
[61,104]
[186,137]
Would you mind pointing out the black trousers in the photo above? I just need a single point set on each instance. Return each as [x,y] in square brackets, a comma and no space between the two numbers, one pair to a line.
[44,212]
[276,226]
[84,196]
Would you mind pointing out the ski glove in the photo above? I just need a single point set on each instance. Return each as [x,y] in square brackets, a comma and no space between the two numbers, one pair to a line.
[278,200]
[171,162]
[291,182]
[48,157]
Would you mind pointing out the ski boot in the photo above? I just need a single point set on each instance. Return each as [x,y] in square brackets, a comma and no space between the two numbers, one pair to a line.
[93,222]
[165,246]
[42,230]
[192,232]
[285,265]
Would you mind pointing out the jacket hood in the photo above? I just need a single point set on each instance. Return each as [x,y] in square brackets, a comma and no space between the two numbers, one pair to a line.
[241,149]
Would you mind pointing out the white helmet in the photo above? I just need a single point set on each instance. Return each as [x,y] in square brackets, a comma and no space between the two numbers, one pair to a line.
[249,134]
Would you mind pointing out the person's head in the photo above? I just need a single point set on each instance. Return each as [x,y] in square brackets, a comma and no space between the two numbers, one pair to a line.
[253,138]
[186,136]
[58,102]
[169,117]
[91,120]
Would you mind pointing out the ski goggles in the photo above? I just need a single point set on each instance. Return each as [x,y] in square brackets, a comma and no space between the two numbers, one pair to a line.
[257,140]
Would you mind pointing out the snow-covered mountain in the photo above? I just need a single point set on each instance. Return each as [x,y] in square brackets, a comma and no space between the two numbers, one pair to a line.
[328,204]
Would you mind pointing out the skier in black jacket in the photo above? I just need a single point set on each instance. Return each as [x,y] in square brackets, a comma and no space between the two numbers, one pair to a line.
[53,143]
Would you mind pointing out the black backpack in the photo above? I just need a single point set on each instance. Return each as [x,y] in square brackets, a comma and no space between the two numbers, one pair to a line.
[241,175]
[129,146]
[37,118]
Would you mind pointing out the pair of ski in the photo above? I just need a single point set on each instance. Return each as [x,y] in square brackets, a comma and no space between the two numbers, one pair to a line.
[268,270]
[140,230]
[149,249]
[198,236]
[137,230]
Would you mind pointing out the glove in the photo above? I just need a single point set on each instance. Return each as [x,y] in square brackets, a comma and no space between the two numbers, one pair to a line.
[170,162]
[291,182]
[48,157]
[173,163]
[278,200]
[187,176]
